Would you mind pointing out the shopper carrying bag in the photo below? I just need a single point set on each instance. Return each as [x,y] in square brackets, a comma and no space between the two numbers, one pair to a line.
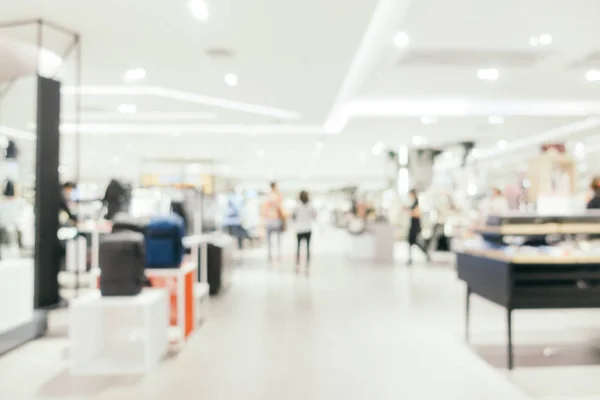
[303,220]
[274,220]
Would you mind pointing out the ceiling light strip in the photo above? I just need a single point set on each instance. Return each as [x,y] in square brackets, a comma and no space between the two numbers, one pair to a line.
[16,134]
[543,137]
[465,108]
[384,22]
[142,116]
[181,96]
[149,129]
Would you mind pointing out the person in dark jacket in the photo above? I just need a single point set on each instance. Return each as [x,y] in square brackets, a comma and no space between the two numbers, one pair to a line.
[415,227]
[594,203]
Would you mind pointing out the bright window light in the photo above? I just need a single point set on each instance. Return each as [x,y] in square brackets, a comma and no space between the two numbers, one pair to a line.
[495,120]
[545,39]
[378,148]
[593,75]
[199,9]
[231,79]
[127,109]
[419,140]
[401,39]
[429,120]
[134,75]
[488,74]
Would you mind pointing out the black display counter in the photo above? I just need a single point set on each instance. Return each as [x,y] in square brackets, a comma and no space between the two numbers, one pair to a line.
[529,282]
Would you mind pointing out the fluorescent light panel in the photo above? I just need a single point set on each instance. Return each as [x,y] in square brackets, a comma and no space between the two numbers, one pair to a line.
[141,116]
[181,96]
[149,129]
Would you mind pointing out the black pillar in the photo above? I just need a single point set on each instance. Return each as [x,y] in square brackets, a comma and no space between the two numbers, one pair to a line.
[47,194]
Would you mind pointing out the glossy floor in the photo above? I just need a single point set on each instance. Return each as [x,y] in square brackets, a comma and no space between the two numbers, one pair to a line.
[350,330]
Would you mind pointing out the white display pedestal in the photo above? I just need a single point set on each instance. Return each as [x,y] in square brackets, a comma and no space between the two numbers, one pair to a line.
[118,335]
[16,293]
[376,244]
[95,229]
[202,296]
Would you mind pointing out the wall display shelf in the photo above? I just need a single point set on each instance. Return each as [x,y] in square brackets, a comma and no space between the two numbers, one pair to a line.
[546,277]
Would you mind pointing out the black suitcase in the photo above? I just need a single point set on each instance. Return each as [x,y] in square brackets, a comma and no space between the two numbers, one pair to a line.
[214,267]
[122,260]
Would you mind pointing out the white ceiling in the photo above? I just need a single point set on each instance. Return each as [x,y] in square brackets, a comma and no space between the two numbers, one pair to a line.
[317,71]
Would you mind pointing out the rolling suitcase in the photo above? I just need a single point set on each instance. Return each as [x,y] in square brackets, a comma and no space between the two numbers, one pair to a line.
[164,242]
[214,268]
[122,261]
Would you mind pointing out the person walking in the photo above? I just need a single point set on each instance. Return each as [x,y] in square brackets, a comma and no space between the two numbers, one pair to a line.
[232,220]
[415,227]
[274,220]
[303,219]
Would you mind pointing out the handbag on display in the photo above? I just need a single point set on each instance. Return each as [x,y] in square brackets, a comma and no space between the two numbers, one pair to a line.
[122,261]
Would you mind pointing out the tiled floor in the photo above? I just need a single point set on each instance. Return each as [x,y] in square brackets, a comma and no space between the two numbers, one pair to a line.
[351,330]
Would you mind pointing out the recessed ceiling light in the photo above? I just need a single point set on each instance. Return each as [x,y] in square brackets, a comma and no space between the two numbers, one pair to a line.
[545,39]
[429,120]
[488,74]
[231,79]
[502,144]
[378,148]
[593,75]
[127,109]
[495,120]
[401,39]
[419,140]
[134,75]
[260,153]
[199,9]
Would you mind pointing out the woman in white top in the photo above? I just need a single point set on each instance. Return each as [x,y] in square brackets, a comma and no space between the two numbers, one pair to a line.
[303,219]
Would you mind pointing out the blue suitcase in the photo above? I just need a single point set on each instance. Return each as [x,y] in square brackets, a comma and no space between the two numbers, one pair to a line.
[164,247]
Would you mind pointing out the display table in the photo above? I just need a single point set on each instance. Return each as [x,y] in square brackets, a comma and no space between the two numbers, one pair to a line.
[201,294]
[214,254]
[19,322]
[527,281]
[198,244]
[16,293]
[95,229]
[180,284]
[118,335]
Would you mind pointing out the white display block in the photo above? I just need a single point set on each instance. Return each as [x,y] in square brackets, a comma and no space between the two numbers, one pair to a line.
[95,229]
[118,335]
[16,293]
[202,296]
